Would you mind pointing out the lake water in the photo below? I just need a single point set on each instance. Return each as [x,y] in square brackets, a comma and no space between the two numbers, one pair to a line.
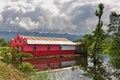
[68,74]
[80,68]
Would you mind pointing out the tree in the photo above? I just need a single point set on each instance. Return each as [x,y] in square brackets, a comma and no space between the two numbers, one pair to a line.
[87,41]
[3,42]
[18,57]
[10,55]
[114,30]
[114,50]
[21,55]
[114,25]
[98,33]
[5,53]
[99,36]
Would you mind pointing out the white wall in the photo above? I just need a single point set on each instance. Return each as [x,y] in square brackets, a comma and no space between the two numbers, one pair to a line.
[67,63]
[68,47]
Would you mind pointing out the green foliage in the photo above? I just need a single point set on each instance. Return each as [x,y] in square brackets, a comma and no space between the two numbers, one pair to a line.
[6,60]
[106,45]
[114,26]
[12,58]
[4,42]
[94,42]
[114,29]
[10,55]
[91,47]
[5,53]
[15,61]
[99,32]
[21,54]
[26,68]
[87,41]
[99,12]
[114,49]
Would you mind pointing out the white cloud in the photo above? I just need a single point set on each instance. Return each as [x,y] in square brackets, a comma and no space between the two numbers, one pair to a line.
[59,16]
[28,24]
[48,4]
[1,18]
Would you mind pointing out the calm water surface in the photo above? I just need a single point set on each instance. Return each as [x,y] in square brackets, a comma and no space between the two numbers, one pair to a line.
[83,68]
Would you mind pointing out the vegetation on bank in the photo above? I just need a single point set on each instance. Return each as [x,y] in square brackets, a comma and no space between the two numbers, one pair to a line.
[4,42]
[8,72]
[13,68]
[11,65]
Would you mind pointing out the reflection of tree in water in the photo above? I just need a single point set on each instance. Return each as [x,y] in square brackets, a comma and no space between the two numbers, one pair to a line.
[102,71]
[115,64]
[97,71]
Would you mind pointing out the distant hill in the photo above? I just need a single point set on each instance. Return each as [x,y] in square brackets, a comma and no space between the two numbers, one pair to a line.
[10,35]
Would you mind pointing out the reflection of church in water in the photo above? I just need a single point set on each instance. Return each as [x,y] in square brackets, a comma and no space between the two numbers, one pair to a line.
[57,62]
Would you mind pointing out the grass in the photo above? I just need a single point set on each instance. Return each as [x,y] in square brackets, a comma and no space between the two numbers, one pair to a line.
[40,76]
[7,72]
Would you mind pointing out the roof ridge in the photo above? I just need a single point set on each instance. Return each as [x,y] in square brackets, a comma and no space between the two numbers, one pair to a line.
[45,38]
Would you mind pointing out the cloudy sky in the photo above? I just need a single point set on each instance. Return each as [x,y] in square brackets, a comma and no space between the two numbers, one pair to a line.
[57,16]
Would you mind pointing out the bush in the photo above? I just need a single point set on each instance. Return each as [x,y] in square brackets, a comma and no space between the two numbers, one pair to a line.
[26,68]
[6,60]
[3,42]
[5,54]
